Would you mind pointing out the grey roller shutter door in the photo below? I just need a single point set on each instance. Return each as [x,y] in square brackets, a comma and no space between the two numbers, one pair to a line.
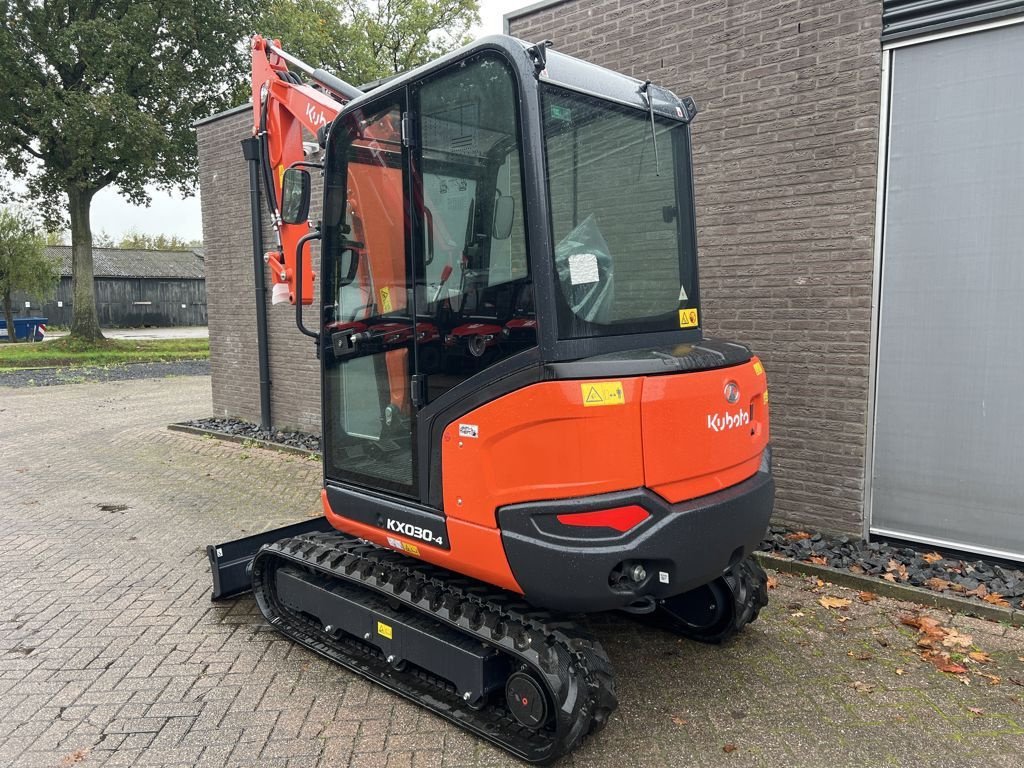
[948,463]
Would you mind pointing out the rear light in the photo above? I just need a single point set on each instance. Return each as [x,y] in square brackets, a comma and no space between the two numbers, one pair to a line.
[620,519]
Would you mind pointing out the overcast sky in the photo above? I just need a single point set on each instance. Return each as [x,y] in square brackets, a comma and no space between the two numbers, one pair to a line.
[173,215]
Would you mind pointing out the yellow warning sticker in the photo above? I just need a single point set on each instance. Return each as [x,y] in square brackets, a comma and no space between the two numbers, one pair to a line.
[764,397]
[758,368]
[384,630]
[688,318]
[412,549]
[280,175]
[603,393]
[385,300]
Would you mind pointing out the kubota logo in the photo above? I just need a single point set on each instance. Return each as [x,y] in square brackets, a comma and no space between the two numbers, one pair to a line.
[719,422]
[315,115]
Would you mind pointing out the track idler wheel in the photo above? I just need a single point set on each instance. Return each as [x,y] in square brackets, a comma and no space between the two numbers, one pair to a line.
[526,700]
[717,611]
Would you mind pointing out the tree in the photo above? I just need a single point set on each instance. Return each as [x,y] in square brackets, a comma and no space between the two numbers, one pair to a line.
[133,239]
[24,265]
[363,40]
[105,93]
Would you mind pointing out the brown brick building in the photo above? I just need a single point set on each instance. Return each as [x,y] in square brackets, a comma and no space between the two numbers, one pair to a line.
[790,209]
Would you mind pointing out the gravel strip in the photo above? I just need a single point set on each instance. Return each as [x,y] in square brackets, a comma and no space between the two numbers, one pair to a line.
[994,582]
[46,377]
[244,429]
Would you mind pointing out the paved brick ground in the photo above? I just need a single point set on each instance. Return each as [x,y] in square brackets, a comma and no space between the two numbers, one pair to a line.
[110,652]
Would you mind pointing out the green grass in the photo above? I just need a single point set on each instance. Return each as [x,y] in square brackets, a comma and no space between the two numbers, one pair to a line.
[68,352]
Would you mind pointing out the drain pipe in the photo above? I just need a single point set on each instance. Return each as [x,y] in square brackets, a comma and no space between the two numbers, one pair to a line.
[251,151]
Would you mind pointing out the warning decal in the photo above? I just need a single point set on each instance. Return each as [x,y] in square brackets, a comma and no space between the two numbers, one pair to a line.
[603,393]
[385,300]
[688,318]
[384,630]
[758,368]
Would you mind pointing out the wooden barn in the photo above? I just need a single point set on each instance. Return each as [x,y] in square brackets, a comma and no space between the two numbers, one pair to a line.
[134,288]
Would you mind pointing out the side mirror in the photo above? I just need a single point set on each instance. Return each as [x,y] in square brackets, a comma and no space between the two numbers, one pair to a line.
[295,194]
[504,215]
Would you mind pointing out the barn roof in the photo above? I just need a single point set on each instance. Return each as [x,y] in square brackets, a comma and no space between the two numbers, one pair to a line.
[136,262]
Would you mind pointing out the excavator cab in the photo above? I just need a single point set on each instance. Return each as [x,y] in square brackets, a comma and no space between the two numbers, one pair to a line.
[520,410]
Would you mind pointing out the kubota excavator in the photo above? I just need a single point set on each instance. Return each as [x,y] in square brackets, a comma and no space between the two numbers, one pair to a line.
[522,419]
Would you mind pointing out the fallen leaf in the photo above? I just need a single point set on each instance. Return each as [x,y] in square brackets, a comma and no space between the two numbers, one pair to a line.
[729,748]
[797,615]
[996,599]
[818,560]
[859,655]
[900,671]
[979,656]
[797,536]
[979,591]
[773,582]
[862,687]
[939,585]
[678,720]
[889,577]
[992,679]
[844,619]
[954,639]
[931,557]
[834,602]
[976,710]
[951,667]
[867,597]
[75,757]
[857,569]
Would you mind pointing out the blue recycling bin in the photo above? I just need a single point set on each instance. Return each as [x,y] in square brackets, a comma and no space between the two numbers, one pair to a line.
[33,328]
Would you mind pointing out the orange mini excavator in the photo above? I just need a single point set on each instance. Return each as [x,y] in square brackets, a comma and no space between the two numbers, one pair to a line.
[522,419]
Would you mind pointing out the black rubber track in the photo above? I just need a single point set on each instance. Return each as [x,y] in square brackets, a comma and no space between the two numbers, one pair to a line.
[570,663]
[744,590]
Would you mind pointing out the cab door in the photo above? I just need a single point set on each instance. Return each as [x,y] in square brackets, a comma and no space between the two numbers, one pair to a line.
[369,328]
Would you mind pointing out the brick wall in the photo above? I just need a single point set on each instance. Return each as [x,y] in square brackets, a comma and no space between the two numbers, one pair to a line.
[230,285]
[784,157]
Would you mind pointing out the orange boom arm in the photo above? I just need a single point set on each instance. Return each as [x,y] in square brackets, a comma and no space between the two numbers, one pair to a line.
[282,106]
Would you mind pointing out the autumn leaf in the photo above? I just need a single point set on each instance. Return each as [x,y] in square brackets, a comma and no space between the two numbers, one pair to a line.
[867,597]
[939,585]
[838,603]
[900,671]
[992,679]
[979,656]
[773,582]
[678,720]
[859,655]
[862,687]
[979,591]
[951,667]
[889,577]
[797,536]
[954,639]
[729,748]
[931,557]
[996,599]
[818,560]
[75,757]
[857,569]
[976,710]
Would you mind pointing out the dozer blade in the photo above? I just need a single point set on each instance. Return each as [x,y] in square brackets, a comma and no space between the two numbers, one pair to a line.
[229,562]
[527,680]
